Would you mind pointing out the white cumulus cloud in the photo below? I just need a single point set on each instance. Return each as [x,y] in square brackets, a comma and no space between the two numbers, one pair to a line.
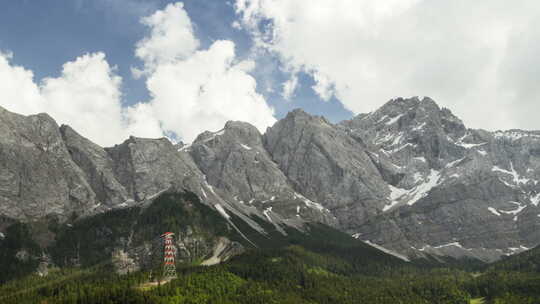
[171,36]
[86,96]
[193,89]
[18,91]
[476,57]
[289,87]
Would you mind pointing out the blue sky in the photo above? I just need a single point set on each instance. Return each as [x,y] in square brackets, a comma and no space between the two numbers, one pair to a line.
[151,68]
[43,35]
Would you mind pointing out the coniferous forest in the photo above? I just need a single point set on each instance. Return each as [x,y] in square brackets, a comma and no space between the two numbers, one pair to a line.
[292,274]
[323,266]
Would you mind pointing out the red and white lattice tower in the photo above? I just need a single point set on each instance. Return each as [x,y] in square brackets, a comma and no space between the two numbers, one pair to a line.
[169,253]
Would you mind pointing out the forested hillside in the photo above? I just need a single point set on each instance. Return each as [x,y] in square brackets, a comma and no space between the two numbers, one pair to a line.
[291,274]
[316,264]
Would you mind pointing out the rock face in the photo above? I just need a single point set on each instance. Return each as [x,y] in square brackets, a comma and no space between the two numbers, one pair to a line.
[147,167]
[97,166]
[456,191]
[53,170]
[410,177]
[123,263]
[328,166]
[37,175]
[235,161]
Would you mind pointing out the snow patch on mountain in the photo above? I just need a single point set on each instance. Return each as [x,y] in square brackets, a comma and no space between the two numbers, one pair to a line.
[518,209]
[388,251]
[535,199]
[515,175]
[401,148]
[395,195]
[382,119]
[422,190]
[419,127]
[494,211]
[266,211]
[384,139]
[456,244]
[310,203]
[397,140]
[457,161]
[514,250]
[222,211]
[514,135]
[399,195]
[417,176]
[460,142]
[394,119]
[204,193]
[245,147]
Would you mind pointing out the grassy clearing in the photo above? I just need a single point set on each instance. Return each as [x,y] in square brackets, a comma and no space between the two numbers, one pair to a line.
[151,285]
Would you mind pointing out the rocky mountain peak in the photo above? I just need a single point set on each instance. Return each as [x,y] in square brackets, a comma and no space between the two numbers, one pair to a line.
[147,167]
[235,162]
[299,116]
[147,141]
[235,137]
[408,176]
[242,132]
[439,164]
[410,114]
[321,160]
[240,126]
[207,136]
[412,128]
[37,174]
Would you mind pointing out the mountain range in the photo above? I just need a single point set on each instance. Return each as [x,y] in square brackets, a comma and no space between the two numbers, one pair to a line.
[409,179]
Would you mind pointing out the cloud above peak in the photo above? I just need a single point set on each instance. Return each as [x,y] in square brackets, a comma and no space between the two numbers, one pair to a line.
[477,58]
[469,56]
[191,89]
[86,96]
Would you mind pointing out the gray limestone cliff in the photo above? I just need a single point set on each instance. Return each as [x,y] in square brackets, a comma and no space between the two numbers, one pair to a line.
[459,191]
[235,161]
[37,175]
[327,166]
[409,177]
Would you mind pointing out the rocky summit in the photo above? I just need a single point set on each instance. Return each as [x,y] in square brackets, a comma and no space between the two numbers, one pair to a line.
[409,178]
